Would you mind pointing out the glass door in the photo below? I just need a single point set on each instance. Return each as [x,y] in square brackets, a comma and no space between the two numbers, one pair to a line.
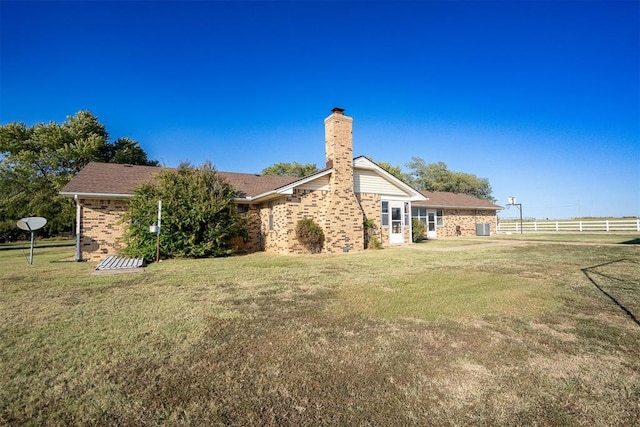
[432,232]
[396,236]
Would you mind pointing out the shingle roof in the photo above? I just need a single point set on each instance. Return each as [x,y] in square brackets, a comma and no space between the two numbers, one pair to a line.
[443,199]
[110,178]
[251,185]
[117,179]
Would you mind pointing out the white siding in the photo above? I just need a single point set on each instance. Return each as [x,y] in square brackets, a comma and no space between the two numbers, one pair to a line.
[366,181]
[321,183]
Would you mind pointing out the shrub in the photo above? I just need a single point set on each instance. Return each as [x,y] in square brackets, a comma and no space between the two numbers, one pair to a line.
[310,235]
[418,229]
[369,227]
[374,243]
[199,216]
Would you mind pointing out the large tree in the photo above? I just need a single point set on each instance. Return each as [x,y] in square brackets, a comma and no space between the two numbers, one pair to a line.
[291,169]
[199,215]
[437,177]
[37,161]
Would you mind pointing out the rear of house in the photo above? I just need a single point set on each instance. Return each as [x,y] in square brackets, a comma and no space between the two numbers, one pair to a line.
[340,198]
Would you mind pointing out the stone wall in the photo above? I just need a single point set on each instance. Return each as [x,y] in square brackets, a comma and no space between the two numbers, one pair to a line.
[102,227]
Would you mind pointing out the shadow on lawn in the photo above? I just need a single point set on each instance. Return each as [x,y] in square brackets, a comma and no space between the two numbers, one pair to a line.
[600,280]
[635,241]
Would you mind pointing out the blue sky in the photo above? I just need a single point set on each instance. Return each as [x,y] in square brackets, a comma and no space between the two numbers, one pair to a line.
[540,97]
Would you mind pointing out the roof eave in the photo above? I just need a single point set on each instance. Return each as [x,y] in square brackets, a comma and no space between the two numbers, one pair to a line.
[496,208]
[96,195]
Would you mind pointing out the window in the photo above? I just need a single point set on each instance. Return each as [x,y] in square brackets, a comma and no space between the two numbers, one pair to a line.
[385,214]
[420,214]
[439,218]
[243,208]
[407,217]
[270,215]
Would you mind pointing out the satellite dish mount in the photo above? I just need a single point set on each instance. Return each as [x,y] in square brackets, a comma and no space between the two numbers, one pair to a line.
[31,224]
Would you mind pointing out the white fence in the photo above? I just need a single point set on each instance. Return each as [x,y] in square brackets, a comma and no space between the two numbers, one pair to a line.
[550,226]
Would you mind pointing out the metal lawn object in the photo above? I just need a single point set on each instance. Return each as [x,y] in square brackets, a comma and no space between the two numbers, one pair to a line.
[31,224]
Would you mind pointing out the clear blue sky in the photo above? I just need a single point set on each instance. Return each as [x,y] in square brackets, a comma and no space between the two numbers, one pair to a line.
[540,97]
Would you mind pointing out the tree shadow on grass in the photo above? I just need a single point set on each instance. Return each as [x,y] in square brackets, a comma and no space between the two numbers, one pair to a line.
[613,282]
[635,241]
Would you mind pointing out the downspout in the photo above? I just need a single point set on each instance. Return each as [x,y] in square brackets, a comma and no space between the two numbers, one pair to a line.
[78,228]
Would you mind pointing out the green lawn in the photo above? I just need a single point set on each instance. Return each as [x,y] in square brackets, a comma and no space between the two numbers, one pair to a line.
[534,334]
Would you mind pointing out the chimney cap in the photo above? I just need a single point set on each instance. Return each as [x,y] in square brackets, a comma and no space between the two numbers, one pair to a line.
[337,110]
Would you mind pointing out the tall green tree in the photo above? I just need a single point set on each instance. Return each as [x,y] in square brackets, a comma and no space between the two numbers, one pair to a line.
[37,161]
[437,177]
[291,169]
[199,215]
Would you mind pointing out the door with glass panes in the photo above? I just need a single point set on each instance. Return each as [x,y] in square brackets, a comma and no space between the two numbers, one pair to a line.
[396,234]
[432,221]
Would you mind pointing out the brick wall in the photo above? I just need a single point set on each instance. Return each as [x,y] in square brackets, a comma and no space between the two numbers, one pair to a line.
[370,204]
[102,227]
[287,211]
[466,219]
[254,241]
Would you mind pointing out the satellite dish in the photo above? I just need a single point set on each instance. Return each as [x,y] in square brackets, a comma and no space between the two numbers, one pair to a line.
[31,223]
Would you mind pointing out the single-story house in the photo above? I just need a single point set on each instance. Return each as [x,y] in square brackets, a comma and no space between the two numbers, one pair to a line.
[339,198]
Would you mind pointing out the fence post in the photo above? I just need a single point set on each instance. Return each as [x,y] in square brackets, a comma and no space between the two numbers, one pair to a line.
[535,225]
[580,226]
[557,226]
[638,225]
[607,224]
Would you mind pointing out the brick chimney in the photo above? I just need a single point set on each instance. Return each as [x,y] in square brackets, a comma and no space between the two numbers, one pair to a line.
[342,212]
[338,134]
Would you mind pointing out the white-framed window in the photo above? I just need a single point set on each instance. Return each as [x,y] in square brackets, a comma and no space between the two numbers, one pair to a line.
[420,214]
[385,213]
[439,218]
[407,214]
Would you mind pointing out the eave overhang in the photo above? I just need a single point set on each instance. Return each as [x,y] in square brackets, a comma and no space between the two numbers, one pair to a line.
[80,195]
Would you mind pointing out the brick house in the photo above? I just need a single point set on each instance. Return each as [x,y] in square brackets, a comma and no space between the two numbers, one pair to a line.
[339,198]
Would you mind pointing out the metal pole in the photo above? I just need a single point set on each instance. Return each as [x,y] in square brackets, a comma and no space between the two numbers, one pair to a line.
[520,207]
[158,231]
[78,228]
[31,250]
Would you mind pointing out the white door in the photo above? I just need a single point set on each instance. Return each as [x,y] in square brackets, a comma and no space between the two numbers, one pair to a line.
[432,232]
[396,235]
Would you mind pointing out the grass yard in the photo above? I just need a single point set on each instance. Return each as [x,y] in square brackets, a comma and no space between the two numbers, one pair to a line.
[523,334]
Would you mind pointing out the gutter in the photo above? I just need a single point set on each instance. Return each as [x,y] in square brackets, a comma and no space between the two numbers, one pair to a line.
[97,195]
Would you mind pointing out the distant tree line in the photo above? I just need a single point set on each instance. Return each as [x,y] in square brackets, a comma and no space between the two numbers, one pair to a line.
[37,161]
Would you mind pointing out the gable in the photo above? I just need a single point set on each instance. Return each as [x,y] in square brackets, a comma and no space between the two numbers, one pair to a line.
[372,179]
[368,181]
